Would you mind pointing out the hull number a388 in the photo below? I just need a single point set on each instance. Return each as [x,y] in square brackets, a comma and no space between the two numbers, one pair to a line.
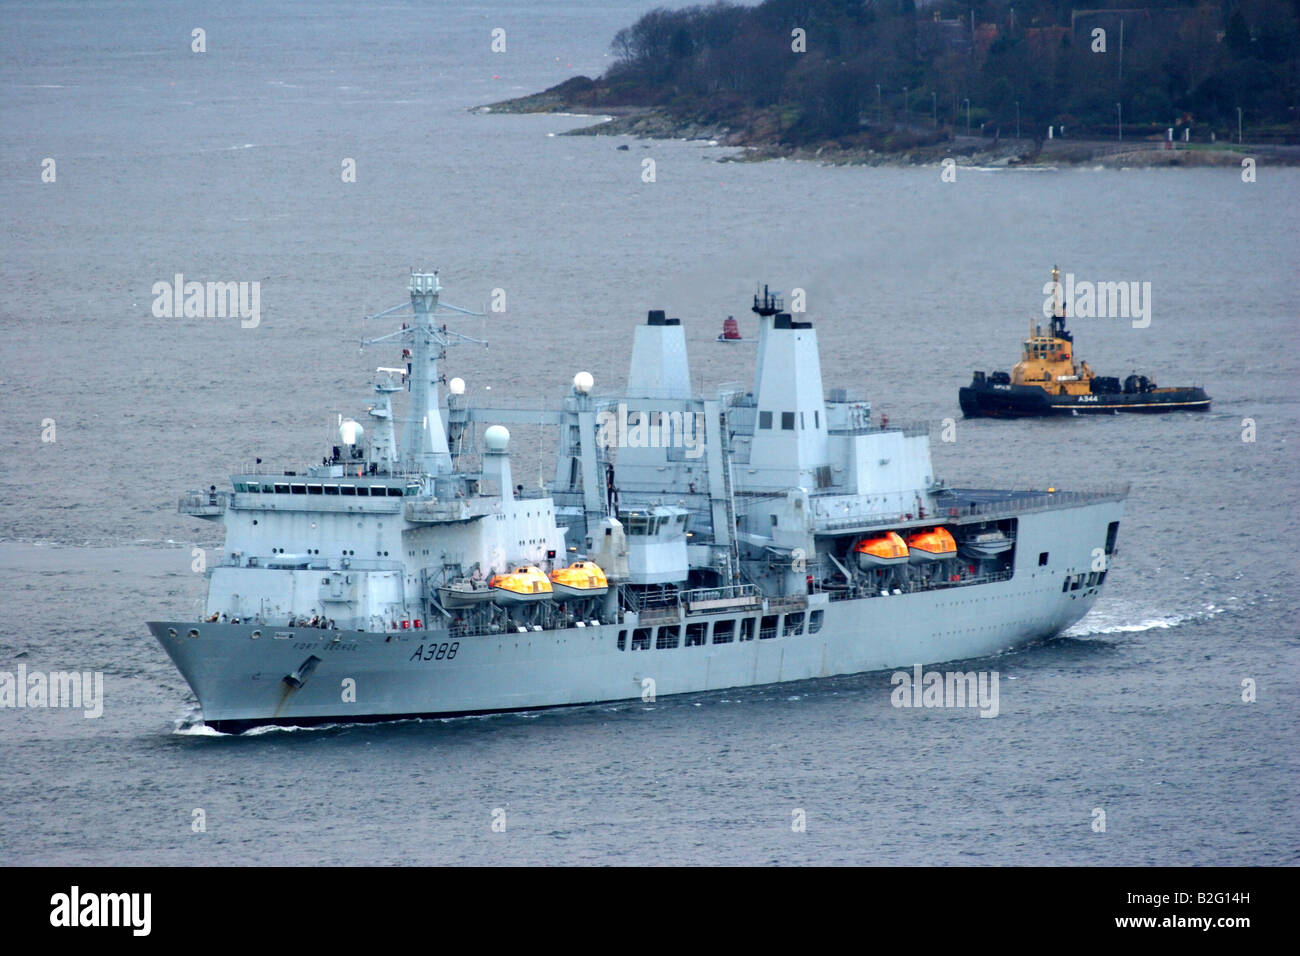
[436,652]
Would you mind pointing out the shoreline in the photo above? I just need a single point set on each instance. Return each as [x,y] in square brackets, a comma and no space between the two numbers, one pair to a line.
[649,123]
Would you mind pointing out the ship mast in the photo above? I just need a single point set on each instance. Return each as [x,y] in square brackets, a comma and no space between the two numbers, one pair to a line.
[1058,309]
[424,445]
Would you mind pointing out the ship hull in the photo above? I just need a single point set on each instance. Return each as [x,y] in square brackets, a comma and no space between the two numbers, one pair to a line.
[240,680]
[1030,401]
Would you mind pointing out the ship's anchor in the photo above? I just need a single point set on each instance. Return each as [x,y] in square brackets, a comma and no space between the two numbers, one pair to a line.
[297,678]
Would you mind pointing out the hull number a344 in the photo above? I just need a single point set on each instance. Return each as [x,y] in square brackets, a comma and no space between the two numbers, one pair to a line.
[436,652]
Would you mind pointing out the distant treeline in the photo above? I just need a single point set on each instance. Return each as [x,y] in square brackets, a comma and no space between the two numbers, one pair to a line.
[808,71]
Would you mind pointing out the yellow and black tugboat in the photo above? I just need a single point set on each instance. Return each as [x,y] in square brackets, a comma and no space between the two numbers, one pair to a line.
[1046,381]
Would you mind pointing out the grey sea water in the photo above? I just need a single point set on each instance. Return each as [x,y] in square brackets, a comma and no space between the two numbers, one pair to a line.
[225,165]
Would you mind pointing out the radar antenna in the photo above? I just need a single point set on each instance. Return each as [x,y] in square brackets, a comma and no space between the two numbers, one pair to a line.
[770,303]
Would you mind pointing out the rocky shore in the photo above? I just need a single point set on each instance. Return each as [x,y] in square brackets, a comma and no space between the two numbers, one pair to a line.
[760,140]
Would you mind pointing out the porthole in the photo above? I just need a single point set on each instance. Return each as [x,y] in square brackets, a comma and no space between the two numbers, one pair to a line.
[171,632]
[194,632]
[255,635]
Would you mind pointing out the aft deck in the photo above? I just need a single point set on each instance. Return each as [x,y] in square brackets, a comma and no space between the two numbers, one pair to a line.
[961,506]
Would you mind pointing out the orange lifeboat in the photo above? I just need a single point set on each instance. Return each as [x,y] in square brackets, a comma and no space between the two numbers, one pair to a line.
[581,579]
[882,552]
[523,585]
[936,544]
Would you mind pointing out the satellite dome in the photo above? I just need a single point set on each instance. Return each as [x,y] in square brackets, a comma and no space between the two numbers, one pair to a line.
[582,382]
[350,432]
[497,437]
[456,386]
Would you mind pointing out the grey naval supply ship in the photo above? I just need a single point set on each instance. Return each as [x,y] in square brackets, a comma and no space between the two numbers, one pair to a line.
[687,543]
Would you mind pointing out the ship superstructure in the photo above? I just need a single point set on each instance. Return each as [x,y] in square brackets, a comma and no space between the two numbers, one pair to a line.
[751,535]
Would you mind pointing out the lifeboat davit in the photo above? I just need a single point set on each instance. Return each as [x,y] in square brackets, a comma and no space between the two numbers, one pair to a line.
[936,544]
[523,585]
[580,580]
[882,552]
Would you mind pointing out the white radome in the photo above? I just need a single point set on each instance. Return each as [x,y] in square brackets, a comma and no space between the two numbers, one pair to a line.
[350,432]
[497,437]
[582,382]
[456,386]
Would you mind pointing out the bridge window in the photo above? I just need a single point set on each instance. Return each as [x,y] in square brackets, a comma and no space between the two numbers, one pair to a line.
[747,628]
[394,492]
[667,637]
[298,489]
[787,421]
[768,628]
[622,640]
[281,489]
[724,632]
[1042,559]
[815,621]
[696,633]
[313,489]
[641,638]
[362,491]
[794,624]
[331,489]
[349,490]
[764,419]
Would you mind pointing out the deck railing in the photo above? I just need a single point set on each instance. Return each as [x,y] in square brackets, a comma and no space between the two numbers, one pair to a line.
[947,509]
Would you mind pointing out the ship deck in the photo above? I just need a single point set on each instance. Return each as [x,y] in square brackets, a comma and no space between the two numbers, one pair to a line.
[961,505]
[977,501]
